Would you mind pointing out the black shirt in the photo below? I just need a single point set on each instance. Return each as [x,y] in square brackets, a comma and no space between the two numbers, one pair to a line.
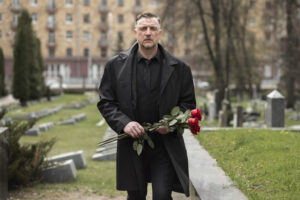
[148,90]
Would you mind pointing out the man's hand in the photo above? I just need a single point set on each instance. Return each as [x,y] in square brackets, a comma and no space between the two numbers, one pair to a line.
[134,129]
[162,130]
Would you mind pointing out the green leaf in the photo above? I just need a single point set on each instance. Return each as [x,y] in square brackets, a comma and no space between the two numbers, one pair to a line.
[175,111]
[145,136]
[139,148]
[150,142]
[167,117]
[173,122]
[135,144]
[180,130]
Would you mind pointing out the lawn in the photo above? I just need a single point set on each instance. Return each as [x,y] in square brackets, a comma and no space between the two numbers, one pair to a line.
[98,177]
[264,164]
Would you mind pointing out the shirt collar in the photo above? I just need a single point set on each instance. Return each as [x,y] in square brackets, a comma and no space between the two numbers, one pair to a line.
[156,57]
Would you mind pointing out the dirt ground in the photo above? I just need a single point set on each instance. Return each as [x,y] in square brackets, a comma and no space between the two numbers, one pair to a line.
[54,195]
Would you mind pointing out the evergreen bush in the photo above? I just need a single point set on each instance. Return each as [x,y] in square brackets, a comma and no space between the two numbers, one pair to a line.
[2,75]
[21,56]
[25,161]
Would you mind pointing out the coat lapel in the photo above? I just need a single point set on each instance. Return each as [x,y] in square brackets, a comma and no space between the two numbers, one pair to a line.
[167,69]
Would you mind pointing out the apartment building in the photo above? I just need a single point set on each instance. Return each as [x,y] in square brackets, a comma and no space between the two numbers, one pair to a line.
[77,36]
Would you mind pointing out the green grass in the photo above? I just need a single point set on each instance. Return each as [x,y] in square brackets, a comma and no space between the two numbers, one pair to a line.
[264,164]
[98,177]
[67,99]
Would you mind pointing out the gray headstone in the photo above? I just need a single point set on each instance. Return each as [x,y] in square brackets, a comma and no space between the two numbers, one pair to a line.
[46,126]
[77,157]
[238,117]
[68,122]
[212,111]
[79,117]
[61,172]
[104,156]
[275,110]
[33,132]
[3,164]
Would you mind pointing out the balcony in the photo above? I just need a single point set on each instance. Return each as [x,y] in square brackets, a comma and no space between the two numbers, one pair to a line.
[51,43]
[51,26]
[16,8]
[103,43]
[103,26]
[103,9]
[137,10]
[51,8]
[14,25]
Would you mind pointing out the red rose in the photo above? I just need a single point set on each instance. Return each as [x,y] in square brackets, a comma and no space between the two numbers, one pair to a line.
[194,131]
[193,121]
[196,114]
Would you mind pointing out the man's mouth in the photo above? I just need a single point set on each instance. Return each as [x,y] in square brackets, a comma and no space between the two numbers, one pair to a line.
[148,40]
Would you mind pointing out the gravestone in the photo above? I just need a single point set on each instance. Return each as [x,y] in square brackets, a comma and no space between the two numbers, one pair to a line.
[275,110]
[68,122]
[217,102]
[3,164]
[238,117]
[225,115]
[77,157]
[212,111]
[60,172]
[35,131]
[46,126]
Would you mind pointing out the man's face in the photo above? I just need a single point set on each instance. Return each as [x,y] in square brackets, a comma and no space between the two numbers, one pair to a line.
[147,33]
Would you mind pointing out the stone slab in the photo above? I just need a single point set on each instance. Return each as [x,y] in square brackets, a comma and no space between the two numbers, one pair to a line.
[68,122]
[77,157]
[46,126]
[105,156]
[208,178]
[62,172]
[79,117]
[33,132]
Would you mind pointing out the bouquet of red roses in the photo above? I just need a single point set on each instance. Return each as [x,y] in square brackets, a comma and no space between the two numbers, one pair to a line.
[177,120]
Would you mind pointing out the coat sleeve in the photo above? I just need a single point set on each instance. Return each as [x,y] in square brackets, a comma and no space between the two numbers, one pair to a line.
[109,104]
[187,95]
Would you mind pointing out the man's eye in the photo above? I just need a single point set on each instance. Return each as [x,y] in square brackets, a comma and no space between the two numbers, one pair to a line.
[153,28]
[143,28]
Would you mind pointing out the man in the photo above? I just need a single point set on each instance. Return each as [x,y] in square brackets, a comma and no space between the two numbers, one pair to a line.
[139,86]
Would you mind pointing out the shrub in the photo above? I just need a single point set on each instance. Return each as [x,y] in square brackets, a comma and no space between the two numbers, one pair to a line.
[24,161]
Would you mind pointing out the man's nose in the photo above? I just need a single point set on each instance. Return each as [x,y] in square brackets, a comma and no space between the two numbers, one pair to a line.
[148,31]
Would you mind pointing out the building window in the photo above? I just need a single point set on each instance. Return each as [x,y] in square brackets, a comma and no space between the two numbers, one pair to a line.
[252,4]
[86,18]
[1,1]
[252,21]
[69,35]
[103,3]
[0,17]
[154,3]
[69,2]
[33,2]
[120,19]
[120,3]
[267,71]
[138,2]
[51,20]
[86,36]
[187,52]
[69,52]
[103,17]
[69,18]
[103,52]
[120,36]
[51,52]
[103,36]
[15,19]
[86,52]
[34,18]
[86,2]
[0,34]
[51,37]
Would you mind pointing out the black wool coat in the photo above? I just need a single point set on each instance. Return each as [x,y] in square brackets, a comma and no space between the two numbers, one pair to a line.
[118,102]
